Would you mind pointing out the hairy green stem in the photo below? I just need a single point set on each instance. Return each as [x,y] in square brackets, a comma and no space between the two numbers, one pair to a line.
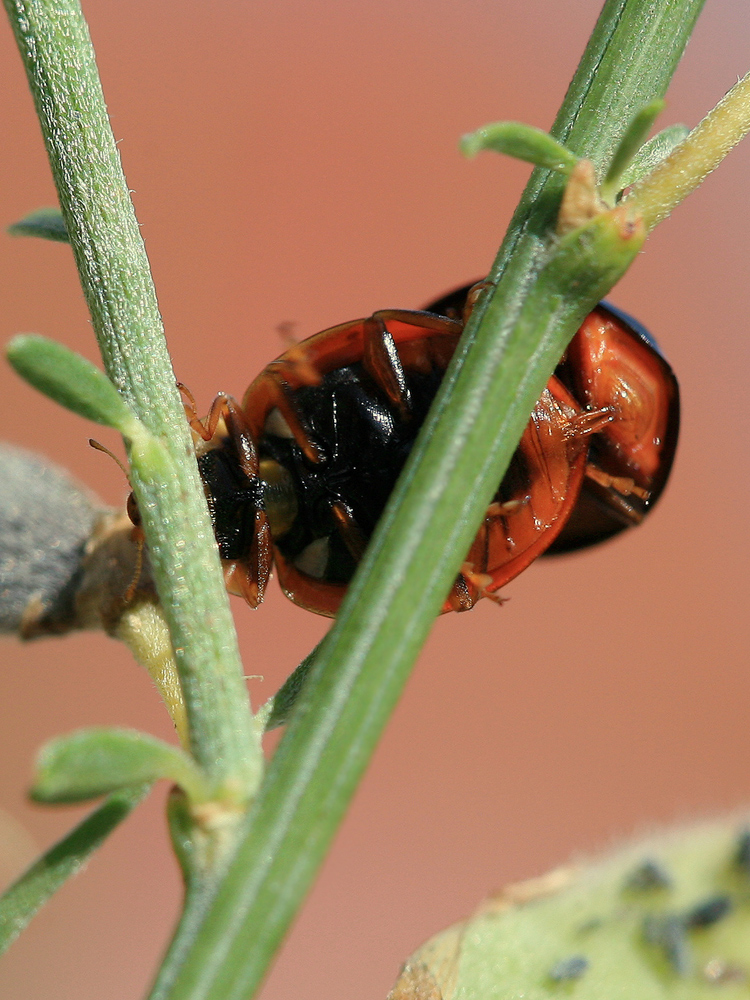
[692,161]
[99,218]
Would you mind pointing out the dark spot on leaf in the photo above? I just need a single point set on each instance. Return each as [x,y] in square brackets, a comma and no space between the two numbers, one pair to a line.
[742,857]
[647,876]
[593,924]
[569,968]
[709,912]
[667,933]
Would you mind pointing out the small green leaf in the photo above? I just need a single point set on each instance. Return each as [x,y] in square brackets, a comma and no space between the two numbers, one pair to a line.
[277,710]
[46,223]
[100,760]
[629,145]
[652,152]
[524,142]
[183,831]
[41,881]
[72,381]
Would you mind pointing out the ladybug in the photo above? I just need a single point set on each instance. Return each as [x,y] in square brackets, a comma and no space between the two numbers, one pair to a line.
[299,473]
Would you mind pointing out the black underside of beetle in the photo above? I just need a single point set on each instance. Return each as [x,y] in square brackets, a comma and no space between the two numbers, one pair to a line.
[233,500]
[365,443]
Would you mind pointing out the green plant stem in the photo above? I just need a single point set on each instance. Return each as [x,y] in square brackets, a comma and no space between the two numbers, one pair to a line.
[364,663]
[21,900]
[144,631]
[692,161]
[633,51]
[99,218]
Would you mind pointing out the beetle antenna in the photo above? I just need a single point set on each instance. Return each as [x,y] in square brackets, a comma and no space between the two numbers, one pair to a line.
[139,540]
[100,447]
[137,536]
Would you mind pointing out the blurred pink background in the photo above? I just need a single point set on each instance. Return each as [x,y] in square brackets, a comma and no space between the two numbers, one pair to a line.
[299,163]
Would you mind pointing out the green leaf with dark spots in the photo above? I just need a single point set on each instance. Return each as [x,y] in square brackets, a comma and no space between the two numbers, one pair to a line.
[581,932]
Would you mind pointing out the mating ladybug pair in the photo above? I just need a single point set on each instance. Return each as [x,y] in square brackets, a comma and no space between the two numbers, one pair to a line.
[300,472]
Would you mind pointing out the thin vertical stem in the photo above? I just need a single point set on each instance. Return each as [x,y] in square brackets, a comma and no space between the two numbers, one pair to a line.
[54,42]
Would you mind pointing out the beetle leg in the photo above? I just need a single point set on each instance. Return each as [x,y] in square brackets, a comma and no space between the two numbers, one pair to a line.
[191,412]
[380,359]
[191,409]
[500,508]
[241,437]
[227,410]
[468,588]
[246,577]
[481,581]
[426,320]
[224,408]
[349,530]
[292,423]
[249,577]
[461,597]
[622,484]
[590,421]
[501,512]
[473,297]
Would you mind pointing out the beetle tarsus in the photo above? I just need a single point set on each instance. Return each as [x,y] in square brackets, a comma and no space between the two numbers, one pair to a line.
[353,537]
[624,485]
[281,394]
[380,359]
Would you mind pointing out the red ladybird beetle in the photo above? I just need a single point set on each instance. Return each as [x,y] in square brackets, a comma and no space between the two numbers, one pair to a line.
[300,472]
